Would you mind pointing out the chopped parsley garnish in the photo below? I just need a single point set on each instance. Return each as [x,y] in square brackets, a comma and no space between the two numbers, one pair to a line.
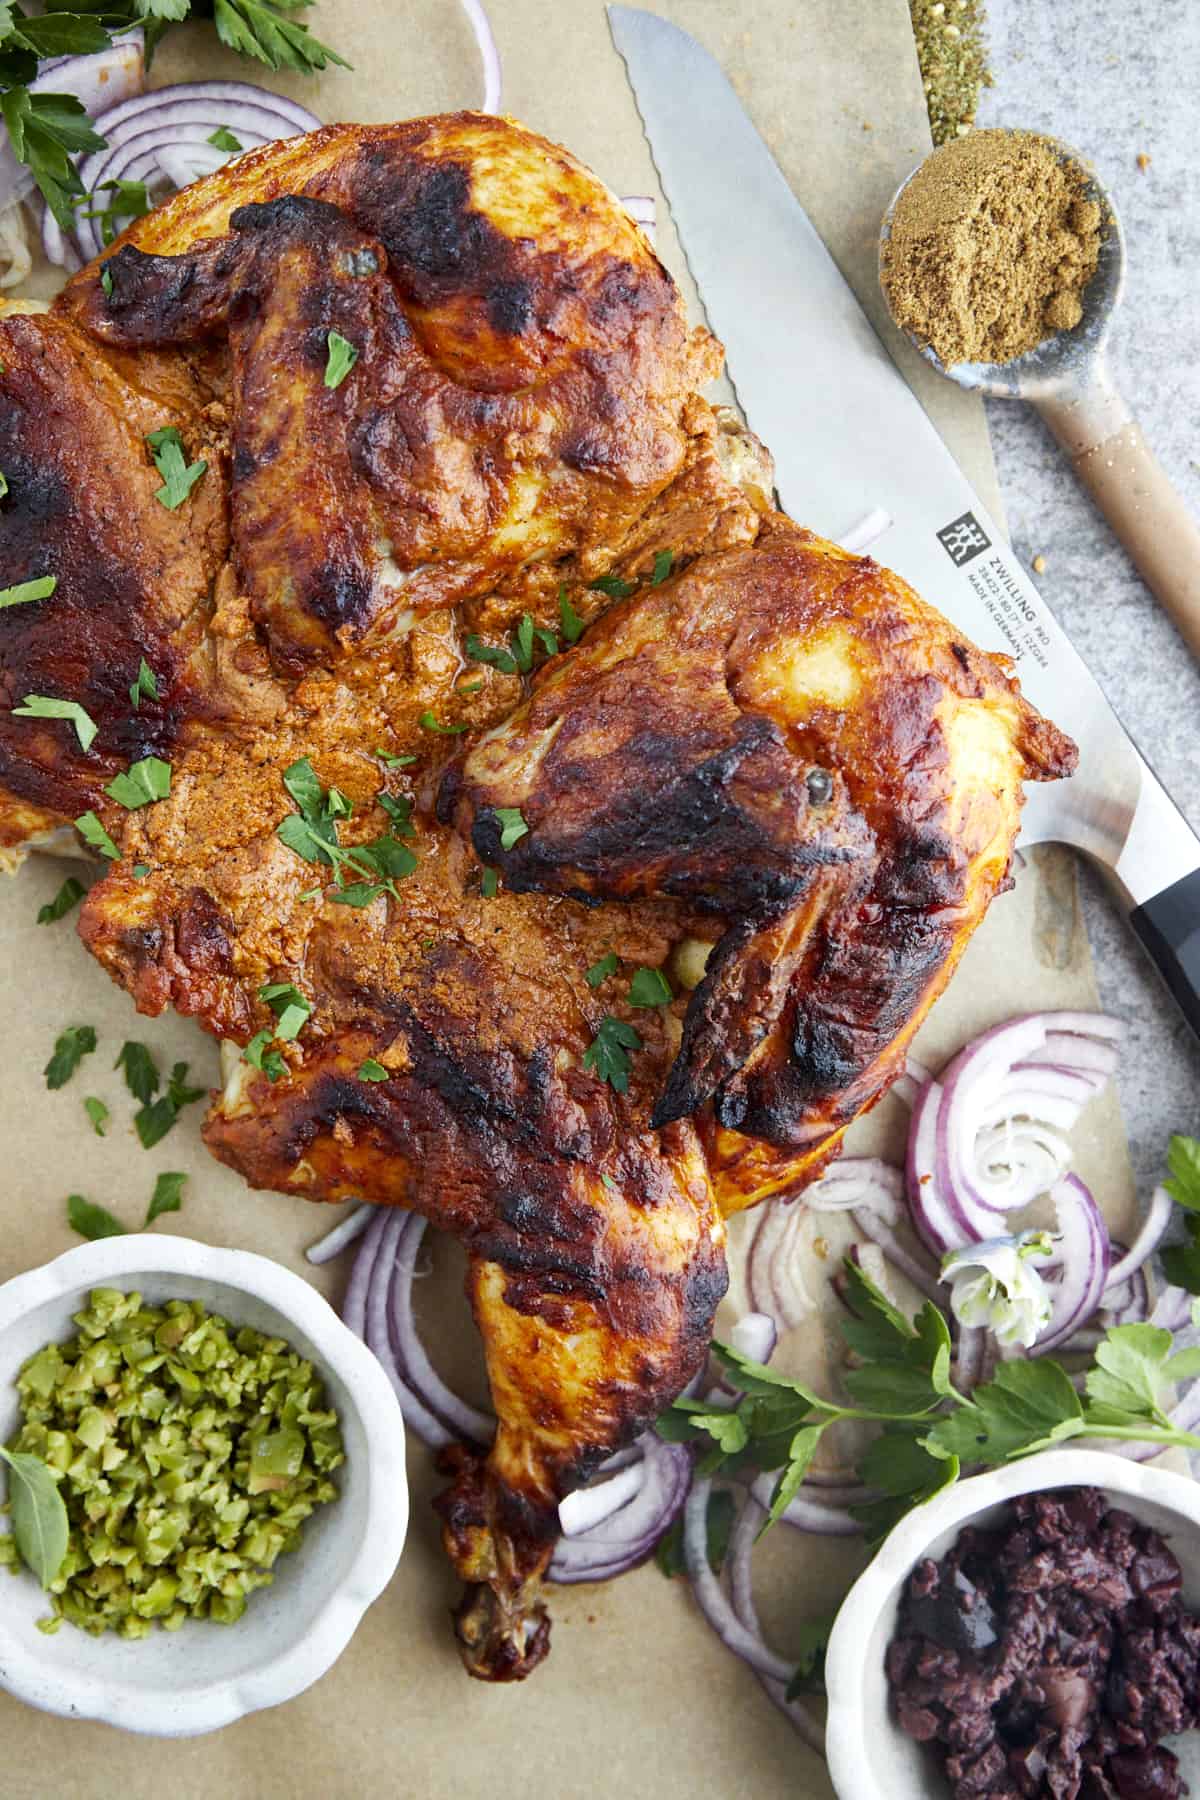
[142,782]
[76,1042]
[372,1070]
[145,686]
[156,1116]
[512,825]
[312,833]
[97,1112]
[663,564]
[260,1056]
[141,870]
[472,687]
[46,706]
[179,476]
[392,762]
[600,971]
[610,1184]
[429,723]
[613,586]
[489,881]
[223,139]
[340,359]
[3,485]
[92,832]
[607,1054]
[398,808]
[289,1006]
[140,1071]
[518,659]
[106,280]
[69,894]
[167,1196]
[40,588]
[572,625]
[91,1221]
[650,987]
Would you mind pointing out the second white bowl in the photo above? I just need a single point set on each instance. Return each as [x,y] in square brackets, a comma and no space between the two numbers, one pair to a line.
[870,1758]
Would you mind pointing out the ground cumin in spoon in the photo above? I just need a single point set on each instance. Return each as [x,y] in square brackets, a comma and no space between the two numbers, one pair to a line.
[992,244]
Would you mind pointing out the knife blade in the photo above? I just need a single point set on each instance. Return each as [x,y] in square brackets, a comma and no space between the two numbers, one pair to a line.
[849,438]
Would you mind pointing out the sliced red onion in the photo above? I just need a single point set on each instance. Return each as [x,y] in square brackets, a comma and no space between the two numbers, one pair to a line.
[1082,1252]
[590,1506]
[1127,1303]
[774,1276]
[57,247]
[807,1515]
[97,81]
[739,1556]
[968,1366]
[1154,1226]
[1173,1309]
[169,128]
[858,1181]
[465,1422]
[628,1536]
[344,1232]
[755,1335]
[925,1277]
[710,1596]
[377,1334]
[987,1138]
[489,55]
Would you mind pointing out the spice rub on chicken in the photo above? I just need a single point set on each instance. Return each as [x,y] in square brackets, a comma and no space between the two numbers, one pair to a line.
[488,679]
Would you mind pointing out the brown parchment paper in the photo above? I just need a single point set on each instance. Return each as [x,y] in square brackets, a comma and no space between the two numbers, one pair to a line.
[637,1698]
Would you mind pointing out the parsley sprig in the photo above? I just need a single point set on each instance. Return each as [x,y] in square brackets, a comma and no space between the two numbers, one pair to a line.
[1181,1262]
[312,832]
[901,1381]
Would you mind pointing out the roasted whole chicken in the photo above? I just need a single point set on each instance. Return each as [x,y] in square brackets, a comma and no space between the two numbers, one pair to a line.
[487,677]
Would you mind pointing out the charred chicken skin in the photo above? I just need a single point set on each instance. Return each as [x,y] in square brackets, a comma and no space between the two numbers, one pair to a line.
[425,770]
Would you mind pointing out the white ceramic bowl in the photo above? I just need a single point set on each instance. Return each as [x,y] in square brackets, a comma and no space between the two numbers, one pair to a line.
[870,1758]
[176,1684]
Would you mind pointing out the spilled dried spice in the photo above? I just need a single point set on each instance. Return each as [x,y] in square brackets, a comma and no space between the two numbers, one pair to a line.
[952,52]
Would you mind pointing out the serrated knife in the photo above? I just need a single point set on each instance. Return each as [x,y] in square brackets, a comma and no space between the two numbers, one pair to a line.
[850,439]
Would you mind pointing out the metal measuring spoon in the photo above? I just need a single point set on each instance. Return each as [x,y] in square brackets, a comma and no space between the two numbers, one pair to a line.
[1067,378]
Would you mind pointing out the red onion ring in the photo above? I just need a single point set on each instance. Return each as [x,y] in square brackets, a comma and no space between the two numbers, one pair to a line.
[1154,1226]
[822,1519]
[489,55]
[628,1536]
[986,1139]
[710,1596]
[742,1539]
[1082,1252]
[755,1335]
[925,1277]
[342,1234]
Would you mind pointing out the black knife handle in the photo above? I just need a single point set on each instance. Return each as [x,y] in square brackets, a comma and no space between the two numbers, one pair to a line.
[1169,929]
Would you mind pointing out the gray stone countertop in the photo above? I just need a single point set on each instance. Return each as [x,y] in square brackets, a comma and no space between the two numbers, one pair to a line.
[1116,81]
